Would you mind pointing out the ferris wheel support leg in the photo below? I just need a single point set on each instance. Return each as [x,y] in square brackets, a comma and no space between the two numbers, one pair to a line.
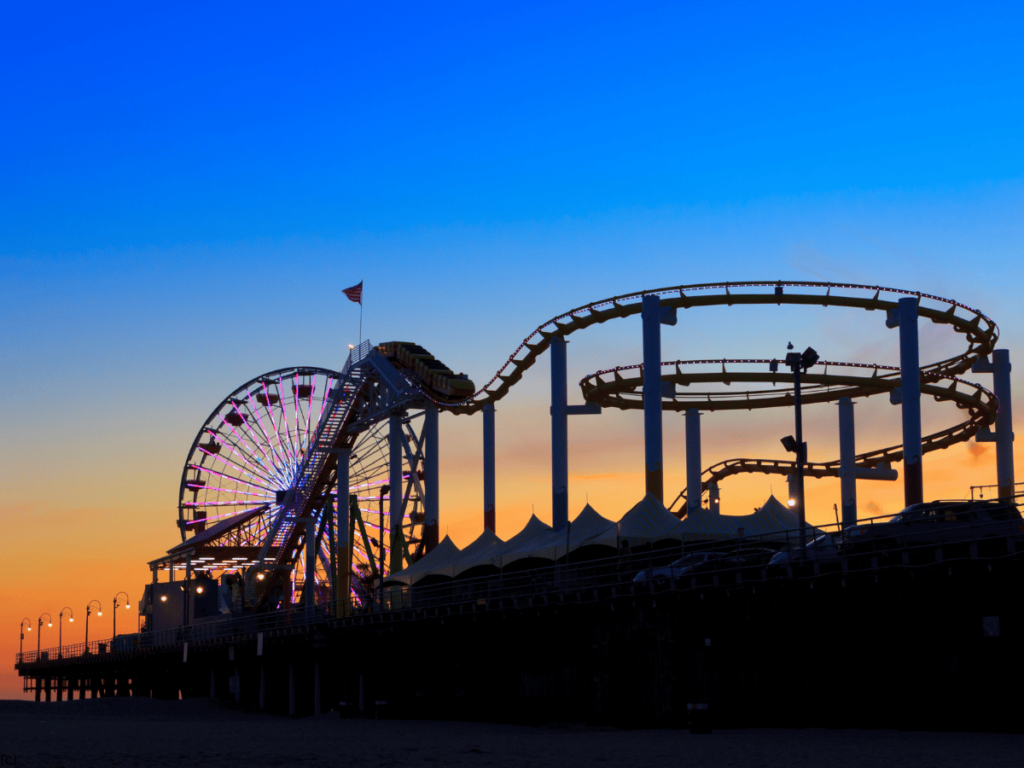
[308,590]
[432,475]
[693,465]
[910,393]
[395,493]
[1004,422]
[559,435]
[489,466]
[343,545]
[847,458]
[653,460]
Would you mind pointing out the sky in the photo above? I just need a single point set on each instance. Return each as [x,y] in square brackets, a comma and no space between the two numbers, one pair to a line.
[185,190]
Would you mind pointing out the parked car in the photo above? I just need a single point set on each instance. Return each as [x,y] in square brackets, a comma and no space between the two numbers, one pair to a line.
[823,549]
[939,522]
[671,572]
[704,562]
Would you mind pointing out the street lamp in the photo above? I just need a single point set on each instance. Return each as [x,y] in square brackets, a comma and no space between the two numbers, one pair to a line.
[39,637]
[21,644]
[88,610]
[60,630]
[126,605]
[798,362]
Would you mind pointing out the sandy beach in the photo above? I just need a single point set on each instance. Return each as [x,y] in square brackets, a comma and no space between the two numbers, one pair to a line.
[199,733]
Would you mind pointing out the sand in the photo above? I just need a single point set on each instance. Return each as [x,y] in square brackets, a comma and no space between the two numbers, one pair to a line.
[199,733]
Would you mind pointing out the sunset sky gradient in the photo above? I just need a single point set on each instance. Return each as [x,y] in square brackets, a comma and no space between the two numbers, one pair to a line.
[185,190]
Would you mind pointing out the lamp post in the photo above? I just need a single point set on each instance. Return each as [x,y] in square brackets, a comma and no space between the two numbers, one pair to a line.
[39,637]
[88,611]
[21,644]
[60,630]
[126,605]
[798,363]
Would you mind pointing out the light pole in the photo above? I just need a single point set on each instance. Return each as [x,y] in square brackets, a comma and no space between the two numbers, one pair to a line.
[798,362]
[39,637]
[126,598]
[88,610]
[60,630]
[21,644]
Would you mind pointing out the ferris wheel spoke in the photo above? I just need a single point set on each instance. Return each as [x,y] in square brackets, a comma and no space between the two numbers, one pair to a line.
[276,460]
[245,457]
[241,445]
[218,457]
[257,441]
[273,422]
[293,453]
[232,479]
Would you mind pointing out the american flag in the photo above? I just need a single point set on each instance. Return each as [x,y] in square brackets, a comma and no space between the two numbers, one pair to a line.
[355,293]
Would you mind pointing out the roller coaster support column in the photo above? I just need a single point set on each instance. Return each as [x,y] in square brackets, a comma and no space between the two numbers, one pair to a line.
[559,435]
[910,394]
[1000,370]
[432,476]
[654,315]
[489,466]
[396,493]
[847,457]
[693,465]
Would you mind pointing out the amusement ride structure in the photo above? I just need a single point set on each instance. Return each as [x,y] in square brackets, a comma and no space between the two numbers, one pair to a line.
[259,496]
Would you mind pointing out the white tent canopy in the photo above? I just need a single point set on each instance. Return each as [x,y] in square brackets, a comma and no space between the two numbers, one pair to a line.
[588,528]
[648,522]
[437,557]
[771,521]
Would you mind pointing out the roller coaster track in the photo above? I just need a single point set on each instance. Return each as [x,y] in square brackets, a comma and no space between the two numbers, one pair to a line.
[939,379]
[616,388]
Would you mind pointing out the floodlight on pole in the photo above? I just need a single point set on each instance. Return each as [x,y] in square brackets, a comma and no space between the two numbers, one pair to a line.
[39,637]
[21,629]
[126,605]
[60,629]
[88,611]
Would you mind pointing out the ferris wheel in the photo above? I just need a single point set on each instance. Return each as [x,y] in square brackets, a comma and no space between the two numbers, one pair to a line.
[247,458]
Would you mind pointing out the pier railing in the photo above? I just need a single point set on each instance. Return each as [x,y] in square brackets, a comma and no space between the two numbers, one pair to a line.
[739,562]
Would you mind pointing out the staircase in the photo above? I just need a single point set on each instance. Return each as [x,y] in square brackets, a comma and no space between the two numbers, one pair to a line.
[290,522]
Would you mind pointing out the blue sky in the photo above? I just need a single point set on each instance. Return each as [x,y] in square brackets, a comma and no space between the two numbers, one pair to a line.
[184,191]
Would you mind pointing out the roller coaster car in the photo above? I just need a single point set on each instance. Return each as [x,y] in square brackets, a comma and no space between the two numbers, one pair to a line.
[435,374]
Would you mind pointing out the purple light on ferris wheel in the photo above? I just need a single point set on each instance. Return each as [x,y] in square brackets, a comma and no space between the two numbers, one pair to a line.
[209,471]
[263,428]
[227,463]
[273,422]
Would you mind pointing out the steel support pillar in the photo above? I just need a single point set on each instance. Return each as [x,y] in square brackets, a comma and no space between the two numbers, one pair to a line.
[1004,423]
[559,435]
[910,392]
[714,497]
[432,476]
[309,583]
[396,493]
[847,458]
[316,688]
[291,689]
[343,545]
[263,688]
[693,461]
[489,521]
[655,481]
